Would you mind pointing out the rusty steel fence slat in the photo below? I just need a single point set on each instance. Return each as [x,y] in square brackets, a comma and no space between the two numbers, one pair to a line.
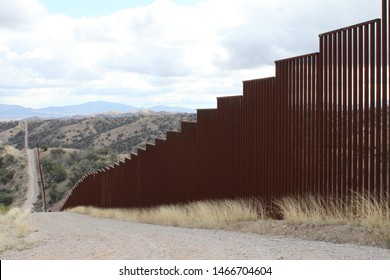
[320,126]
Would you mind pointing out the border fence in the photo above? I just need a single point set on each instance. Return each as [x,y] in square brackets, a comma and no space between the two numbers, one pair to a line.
[320,126]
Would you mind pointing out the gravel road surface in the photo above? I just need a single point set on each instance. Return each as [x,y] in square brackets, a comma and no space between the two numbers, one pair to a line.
[33,187]
[32,169]
[64,236]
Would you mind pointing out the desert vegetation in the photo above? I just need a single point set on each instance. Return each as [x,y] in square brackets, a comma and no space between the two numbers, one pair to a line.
[201,214]
[62,168]
[8,125]
[12,179]
[13,229]
[365,214]
[361,210]
[17,140]
[122,134]
[73,147]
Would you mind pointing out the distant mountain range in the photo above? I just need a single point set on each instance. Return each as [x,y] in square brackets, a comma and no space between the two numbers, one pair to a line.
[16,112]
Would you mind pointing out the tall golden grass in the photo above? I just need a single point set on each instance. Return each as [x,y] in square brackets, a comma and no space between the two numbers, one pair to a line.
[201,214]
[361,211]
[13,229]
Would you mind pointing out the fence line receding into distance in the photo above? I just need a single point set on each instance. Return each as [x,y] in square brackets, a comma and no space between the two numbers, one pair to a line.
[320,126]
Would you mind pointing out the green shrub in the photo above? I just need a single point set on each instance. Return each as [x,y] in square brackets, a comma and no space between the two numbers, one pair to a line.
[57,153]
[6,198]
[4,209]
[18,140]
[54,171]
[9,159]
[54,194]
[6,176]
[59,174]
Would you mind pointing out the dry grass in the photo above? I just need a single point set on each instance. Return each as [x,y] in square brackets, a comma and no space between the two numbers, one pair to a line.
[360,211]
[365,213]
[202,214]
[13,229]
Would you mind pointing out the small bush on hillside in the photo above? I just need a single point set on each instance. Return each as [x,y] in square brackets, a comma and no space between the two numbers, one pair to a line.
[17,140]
[6,198]
[54,171]
[6,176]
[7,160]
[57,153]
[54,194]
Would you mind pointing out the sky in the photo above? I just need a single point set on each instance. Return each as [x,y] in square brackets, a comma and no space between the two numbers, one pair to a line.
[155,52]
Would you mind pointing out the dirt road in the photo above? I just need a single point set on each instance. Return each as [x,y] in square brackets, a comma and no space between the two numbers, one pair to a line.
[74,236]
[33,187]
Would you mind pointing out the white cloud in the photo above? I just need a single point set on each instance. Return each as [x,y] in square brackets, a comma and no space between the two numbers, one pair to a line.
[159,53]
[20,13]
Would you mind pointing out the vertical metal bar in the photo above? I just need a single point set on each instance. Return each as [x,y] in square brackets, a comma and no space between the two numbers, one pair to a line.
[366,109]
[301,105]
[384,94]
[286,107]
[335,134]
[329,108]
[320,112]
[290,142]
[378,146]
[266,136]
[282,131]
[387,127]
[286,119]
[350,113]
[297,127]
[345,108]
[294,126]
[277,136]
[306,177]
[340,170]
[329,136]
[272,127]
[309,138]
[245,144]
[266,114]
[315,125]
[355,111]
[372,131]
[325,115]
[258,173]
[360,112]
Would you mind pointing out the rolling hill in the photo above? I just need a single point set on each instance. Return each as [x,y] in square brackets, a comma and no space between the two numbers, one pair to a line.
[72,147]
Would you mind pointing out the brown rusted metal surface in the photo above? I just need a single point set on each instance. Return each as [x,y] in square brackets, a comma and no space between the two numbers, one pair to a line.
[356,122]
[384,53]
[302,114]
[320,126]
